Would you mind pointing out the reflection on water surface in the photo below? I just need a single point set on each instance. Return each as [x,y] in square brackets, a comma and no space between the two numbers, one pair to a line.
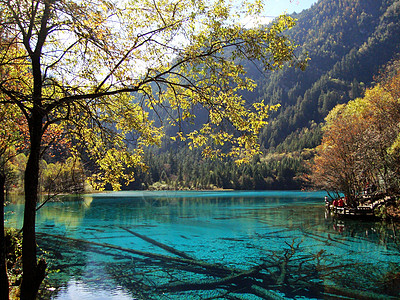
[213,245]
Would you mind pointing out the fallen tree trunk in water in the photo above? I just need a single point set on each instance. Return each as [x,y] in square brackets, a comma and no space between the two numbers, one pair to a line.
[158,244]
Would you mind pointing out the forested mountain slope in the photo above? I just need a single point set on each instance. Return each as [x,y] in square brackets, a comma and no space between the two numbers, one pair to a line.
[348,42]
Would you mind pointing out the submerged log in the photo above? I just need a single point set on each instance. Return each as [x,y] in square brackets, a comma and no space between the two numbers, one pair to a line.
[158,244]
[266,294]
[209,284]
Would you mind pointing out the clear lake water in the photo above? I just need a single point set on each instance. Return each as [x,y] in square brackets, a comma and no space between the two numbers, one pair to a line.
[212,245]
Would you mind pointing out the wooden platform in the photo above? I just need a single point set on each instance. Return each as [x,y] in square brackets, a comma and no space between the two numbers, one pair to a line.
[347,212]
[365,210]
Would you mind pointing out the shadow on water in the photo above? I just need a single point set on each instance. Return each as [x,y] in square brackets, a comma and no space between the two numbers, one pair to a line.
[229,246]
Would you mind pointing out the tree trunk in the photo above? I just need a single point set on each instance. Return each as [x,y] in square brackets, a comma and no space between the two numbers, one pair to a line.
[33,272]
[3,264]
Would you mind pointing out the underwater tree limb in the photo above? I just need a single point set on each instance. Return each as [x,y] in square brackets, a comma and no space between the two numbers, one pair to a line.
[158,244]
[210,284]
[265,294]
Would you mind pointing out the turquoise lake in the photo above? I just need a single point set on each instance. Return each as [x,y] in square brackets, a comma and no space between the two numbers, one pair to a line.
[212,245]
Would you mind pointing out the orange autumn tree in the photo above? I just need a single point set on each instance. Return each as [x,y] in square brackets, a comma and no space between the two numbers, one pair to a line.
[336,163]
[360,145]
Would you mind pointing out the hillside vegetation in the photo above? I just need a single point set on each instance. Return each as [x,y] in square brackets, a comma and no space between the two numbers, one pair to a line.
[348,41]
